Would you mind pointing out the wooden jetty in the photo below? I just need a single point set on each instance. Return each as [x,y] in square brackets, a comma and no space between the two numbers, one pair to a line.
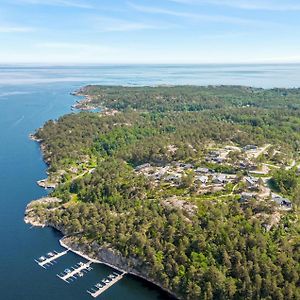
[50,259]
[106,285]
[67,275]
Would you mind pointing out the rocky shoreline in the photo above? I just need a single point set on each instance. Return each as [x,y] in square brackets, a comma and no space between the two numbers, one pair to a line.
[93,252]
[34,138]
[30,215]
[85,103]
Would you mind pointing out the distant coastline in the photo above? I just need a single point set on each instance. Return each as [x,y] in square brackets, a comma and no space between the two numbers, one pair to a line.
[263,75]
[84,104]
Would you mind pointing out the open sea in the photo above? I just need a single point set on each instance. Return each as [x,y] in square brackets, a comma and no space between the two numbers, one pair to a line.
[31,95]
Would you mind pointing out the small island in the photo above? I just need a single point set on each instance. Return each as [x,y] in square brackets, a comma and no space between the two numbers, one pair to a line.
[195,189]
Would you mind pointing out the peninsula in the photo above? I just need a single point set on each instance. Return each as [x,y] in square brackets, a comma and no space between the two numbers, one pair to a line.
[195,189]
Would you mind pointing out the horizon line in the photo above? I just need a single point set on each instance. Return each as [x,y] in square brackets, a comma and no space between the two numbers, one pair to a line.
[145,63]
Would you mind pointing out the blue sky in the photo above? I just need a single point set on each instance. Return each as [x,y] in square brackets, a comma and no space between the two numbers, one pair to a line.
[144,31]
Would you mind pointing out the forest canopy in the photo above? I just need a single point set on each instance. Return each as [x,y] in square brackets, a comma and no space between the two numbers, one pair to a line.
[218,248]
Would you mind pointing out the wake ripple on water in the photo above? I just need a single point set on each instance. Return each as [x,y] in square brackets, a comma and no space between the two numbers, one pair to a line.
[8,94]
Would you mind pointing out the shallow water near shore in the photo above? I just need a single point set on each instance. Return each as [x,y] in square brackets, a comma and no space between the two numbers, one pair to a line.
[28,98]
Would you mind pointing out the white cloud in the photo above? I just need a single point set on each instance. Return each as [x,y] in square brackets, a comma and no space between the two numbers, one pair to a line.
[196,16]
[67,3]
[270,5]
[79,47]
[104,24]
[15,29]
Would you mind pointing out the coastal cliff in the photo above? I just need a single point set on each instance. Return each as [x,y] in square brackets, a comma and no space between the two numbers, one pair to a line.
[34,215]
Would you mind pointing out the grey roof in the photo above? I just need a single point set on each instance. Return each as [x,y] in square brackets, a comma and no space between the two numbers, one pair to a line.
[203,179]
[281,201]
[220,177]
[186,166]
[251,180]
[250,147]
[202,170]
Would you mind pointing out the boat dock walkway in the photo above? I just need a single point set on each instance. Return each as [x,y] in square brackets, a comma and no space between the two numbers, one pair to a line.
[106,284]
[50,258]
[80,269]
[68,274]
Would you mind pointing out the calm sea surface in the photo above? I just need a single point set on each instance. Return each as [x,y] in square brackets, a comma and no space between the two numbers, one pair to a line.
[29,96]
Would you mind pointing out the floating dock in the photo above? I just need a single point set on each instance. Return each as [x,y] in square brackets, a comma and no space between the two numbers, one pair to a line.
[50,258]
[68,274]
[106,284]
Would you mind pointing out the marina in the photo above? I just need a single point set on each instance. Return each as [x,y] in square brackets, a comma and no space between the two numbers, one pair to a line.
[78,270]
[105,284]
[50,258]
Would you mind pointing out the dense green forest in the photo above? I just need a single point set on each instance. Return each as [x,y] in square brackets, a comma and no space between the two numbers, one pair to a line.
[220,250]
[190,98]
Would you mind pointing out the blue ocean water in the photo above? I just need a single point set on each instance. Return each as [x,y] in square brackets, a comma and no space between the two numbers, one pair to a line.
[29,96]
[266,76]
